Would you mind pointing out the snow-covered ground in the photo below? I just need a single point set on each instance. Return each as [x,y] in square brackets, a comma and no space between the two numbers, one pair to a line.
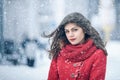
[23,72]
[113,63]
[41,70]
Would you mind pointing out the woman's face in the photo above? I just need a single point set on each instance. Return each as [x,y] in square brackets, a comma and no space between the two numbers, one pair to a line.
[74,34]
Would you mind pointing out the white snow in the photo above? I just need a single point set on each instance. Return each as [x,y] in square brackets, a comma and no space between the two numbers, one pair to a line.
[113,63]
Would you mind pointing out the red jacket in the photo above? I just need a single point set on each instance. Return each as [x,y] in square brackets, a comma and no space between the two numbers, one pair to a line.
[91,68]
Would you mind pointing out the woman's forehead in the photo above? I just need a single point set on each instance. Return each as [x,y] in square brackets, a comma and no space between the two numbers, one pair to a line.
[70,26]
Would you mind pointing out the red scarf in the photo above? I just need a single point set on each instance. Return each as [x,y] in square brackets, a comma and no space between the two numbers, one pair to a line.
[79,52]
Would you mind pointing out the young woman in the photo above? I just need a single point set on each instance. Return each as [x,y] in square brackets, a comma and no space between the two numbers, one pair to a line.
[77,51]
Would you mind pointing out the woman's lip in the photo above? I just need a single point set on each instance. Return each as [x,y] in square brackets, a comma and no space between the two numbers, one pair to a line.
[72,39]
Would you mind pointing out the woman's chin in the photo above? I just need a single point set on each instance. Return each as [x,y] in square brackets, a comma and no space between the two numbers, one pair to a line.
[72,43]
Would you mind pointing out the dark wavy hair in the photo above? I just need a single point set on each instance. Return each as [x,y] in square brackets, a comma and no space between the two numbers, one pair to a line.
[59,38]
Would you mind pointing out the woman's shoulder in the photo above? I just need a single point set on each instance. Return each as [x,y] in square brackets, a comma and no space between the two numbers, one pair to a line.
[99,53]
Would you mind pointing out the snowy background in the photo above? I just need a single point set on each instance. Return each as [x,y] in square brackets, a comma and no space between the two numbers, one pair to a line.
[23,21]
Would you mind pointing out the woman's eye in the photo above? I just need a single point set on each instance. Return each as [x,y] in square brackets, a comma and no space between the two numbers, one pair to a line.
[75,29]
[66,31]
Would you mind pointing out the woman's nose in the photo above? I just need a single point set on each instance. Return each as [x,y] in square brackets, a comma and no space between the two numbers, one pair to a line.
[71,34]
